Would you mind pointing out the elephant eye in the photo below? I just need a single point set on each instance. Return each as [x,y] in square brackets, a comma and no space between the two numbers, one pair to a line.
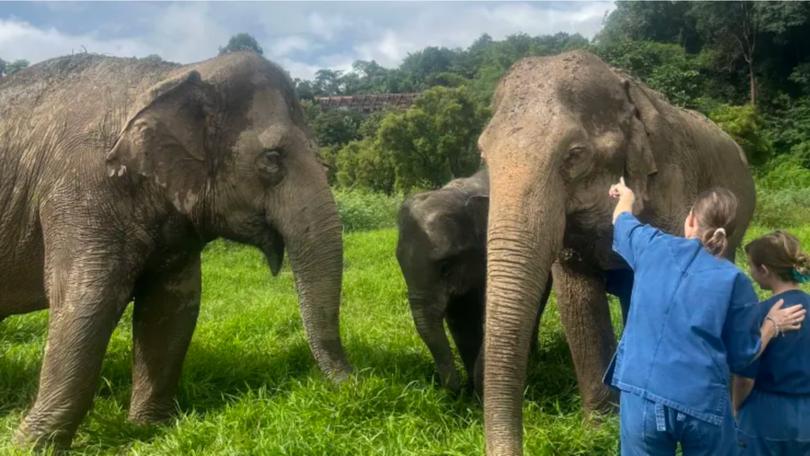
[445,267]
[576,152]
[575,162]
[270,166]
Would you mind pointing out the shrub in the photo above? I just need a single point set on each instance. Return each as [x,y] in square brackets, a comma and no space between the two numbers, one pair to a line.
[787,172]
[364,164]
[788,123]
[745,125]
[365,210]
[783,208]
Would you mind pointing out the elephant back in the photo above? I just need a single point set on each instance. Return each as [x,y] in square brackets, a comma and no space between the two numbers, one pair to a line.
[81,93]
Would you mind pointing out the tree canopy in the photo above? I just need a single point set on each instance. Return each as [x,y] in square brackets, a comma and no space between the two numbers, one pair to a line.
[9,68]
[242,42]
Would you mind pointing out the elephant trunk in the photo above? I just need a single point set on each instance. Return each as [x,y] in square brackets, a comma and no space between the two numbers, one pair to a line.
[313,238]
[525,233]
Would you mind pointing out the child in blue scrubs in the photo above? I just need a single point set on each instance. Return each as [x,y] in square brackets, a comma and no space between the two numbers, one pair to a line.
[692,319]
[774,418]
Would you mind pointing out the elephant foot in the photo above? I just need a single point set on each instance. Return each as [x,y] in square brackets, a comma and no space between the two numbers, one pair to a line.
[450,380]
[601,401]
[146,414]
[39,438]
[340,375]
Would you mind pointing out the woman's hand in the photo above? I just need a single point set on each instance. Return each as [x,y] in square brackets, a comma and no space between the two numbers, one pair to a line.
[779,321]
[621,190]
[626,198]
[786,319]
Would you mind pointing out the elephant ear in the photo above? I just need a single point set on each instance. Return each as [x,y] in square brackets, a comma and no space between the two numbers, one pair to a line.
[640,162]
[477,207]
[164,139]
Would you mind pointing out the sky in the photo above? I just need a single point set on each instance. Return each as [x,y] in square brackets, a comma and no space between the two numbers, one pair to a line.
[302,37]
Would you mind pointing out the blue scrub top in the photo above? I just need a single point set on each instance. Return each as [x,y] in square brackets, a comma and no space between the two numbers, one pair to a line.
[693,317]
[784,367]
[778,408]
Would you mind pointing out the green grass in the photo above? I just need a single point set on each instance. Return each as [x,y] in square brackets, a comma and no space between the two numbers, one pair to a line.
[250,387]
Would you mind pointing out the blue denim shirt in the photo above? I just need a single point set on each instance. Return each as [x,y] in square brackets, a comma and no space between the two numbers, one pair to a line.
[692,319]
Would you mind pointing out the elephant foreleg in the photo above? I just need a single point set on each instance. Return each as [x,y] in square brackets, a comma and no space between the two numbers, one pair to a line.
[428,315]
[585,317]
[465,318]
[87,298]
[165,315]
[535,348]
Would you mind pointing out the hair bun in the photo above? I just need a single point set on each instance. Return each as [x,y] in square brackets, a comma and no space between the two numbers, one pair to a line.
[720,230]
[802,265]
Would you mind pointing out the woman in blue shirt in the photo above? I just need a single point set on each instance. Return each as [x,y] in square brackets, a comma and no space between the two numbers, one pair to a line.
[692,319]
[774,418]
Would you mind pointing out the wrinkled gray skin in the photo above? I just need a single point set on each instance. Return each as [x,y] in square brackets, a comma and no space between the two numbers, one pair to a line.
[114,173]
[564,129]
[442,254]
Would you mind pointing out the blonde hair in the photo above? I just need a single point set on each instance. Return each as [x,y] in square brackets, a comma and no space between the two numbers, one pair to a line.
[782,254]
[716,213]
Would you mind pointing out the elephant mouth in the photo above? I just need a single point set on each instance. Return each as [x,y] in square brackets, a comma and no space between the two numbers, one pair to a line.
[273,249]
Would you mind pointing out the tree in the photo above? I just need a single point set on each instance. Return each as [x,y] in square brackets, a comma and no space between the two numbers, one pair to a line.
[745,125]
[435,140]
[365,164]
[662,21]
[336,127]
[304,89]
[327,82]
[242,42]
[736,29]
[663,66]
[9,68]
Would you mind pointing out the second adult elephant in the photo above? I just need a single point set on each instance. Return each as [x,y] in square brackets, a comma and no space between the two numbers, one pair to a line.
[564,129]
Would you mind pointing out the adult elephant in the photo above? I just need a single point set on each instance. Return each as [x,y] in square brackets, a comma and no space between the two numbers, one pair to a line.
[564,128]
[114,173]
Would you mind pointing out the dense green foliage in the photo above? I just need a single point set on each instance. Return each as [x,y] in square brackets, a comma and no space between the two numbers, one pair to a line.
[9,68]
[242,42]
[364,210]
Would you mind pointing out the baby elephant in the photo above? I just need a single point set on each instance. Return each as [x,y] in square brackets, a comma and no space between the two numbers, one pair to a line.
[442,254]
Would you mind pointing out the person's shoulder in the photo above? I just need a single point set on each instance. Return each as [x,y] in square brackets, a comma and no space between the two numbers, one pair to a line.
[705,261]
[791,297]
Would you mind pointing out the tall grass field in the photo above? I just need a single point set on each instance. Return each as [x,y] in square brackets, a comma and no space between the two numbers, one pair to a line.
[250,386]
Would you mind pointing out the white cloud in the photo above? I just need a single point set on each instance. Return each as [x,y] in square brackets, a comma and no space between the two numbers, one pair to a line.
[452,26]
[301,37]
[186,33]
[289,44]
[21,40]
[181,33]
[327,27]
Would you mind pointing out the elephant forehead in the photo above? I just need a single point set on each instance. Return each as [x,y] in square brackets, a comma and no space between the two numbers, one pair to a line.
[269,126]
[269,107]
